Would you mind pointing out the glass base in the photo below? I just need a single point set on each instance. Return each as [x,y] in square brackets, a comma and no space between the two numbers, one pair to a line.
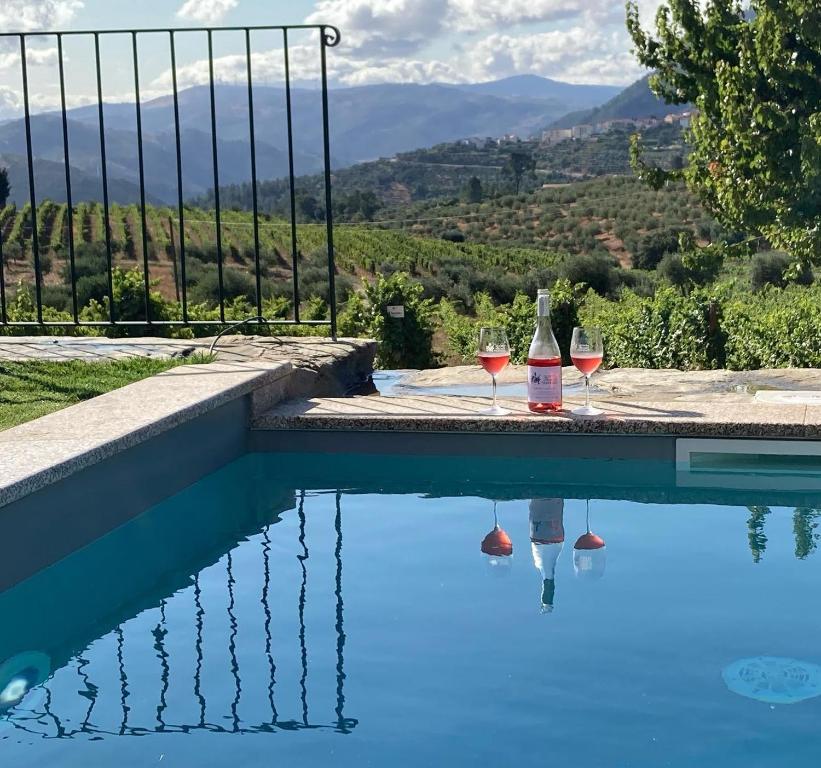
[587,410]
[494,410]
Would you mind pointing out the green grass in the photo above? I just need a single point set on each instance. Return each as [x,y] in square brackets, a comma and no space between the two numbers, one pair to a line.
[32,389]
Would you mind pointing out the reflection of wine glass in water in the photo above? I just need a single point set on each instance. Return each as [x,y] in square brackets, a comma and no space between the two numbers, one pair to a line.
[546,543]
[494,355]
[589,553]
[498,547]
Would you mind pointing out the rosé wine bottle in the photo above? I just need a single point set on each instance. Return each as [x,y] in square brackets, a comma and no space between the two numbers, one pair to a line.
[544,362]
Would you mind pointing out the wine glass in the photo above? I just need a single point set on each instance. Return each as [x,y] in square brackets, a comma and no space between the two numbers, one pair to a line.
[586,352]
[494,355]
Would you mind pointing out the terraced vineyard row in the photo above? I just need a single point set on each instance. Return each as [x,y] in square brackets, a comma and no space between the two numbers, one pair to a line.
[361,252]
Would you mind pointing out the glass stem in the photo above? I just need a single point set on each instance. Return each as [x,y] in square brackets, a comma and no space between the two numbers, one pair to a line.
[587,391]
[494,390]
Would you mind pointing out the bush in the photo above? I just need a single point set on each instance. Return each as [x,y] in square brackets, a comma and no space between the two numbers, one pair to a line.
[454,236]
[653,247]
[593,270]
[769,269]
[774,328]
[666,331]
[405,342]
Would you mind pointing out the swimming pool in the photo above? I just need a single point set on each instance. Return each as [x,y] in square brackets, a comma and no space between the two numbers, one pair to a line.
[307,609]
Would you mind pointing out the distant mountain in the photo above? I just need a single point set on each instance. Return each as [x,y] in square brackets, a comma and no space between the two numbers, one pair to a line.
[637,100]
[367,122]
[50,182]
[574,97]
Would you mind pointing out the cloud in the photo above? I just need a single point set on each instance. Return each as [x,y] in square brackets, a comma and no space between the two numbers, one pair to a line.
[390,28]
[25,15]
[206,11]
[482,14]
[577,55]
[34,57]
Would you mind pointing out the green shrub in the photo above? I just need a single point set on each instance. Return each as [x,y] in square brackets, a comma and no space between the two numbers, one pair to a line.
[769,269]
[774,328]
[405,342]
[595,271]
[666,331]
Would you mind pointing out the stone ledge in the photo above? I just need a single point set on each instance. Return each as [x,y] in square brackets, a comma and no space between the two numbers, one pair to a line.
[737,416]
[55,446]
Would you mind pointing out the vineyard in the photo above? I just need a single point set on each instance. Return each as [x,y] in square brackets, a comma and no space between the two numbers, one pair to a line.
[360,253]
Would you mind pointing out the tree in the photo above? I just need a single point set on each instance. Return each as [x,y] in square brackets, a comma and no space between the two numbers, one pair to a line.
[653,246]
[755,79]
[475,190]
[519,164]
[5,187]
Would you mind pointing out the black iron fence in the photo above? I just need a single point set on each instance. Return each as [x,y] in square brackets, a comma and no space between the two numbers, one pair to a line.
[328,37]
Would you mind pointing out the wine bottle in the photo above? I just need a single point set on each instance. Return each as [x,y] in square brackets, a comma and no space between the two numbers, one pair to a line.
[544,362]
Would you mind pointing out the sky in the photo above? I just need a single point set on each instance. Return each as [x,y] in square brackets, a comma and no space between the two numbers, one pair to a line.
[578,41]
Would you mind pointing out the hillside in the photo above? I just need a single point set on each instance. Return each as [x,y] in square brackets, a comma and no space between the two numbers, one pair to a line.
[445,170]
[360,253]
[635,101]
[367,122]
[608,216]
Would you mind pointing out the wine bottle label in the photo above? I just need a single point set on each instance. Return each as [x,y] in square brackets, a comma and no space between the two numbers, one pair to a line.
[544,384]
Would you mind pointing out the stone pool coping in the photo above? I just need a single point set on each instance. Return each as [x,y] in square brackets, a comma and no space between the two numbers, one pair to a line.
[265,370]
[51,448]
[730,415]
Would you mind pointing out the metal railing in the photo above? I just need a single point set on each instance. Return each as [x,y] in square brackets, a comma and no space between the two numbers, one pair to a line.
[329,37]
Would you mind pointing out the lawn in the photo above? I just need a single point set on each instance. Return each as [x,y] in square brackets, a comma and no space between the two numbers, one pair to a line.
[34,388]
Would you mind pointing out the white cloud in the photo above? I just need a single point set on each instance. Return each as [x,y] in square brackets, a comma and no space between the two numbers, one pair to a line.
[206,11]
[577,55]
[25,15]
[483,14]
[34,57]
[383,27]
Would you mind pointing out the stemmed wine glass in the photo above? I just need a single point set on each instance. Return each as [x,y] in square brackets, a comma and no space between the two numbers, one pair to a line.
[586,352]
[494,355]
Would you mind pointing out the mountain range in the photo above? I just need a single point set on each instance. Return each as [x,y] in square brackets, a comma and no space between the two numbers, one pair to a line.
[637,100]
[367,122]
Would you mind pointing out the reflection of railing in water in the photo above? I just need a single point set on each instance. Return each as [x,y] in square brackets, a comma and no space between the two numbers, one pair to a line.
[42,715]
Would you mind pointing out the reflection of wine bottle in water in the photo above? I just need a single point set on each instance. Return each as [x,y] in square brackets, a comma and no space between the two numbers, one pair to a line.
[546,543]
[544,362]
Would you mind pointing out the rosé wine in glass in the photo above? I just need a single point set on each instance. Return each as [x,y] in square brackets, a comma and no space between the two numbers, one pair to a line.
[586,352]
[494,355]
[587,362]
[494,362]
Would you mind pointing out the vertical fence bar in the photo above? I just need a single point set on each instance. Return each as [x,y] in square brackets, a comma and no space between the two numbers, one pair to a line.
[69,201]
[217,215]
[328,36]
[291,184]
[180,203]
[35,240]
[254,197]
[3,317]
[104,172]
[141,168]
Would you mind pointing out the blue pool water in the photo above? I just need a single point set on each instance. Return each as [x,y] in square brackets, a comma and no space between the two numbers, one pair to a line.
[315,610]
